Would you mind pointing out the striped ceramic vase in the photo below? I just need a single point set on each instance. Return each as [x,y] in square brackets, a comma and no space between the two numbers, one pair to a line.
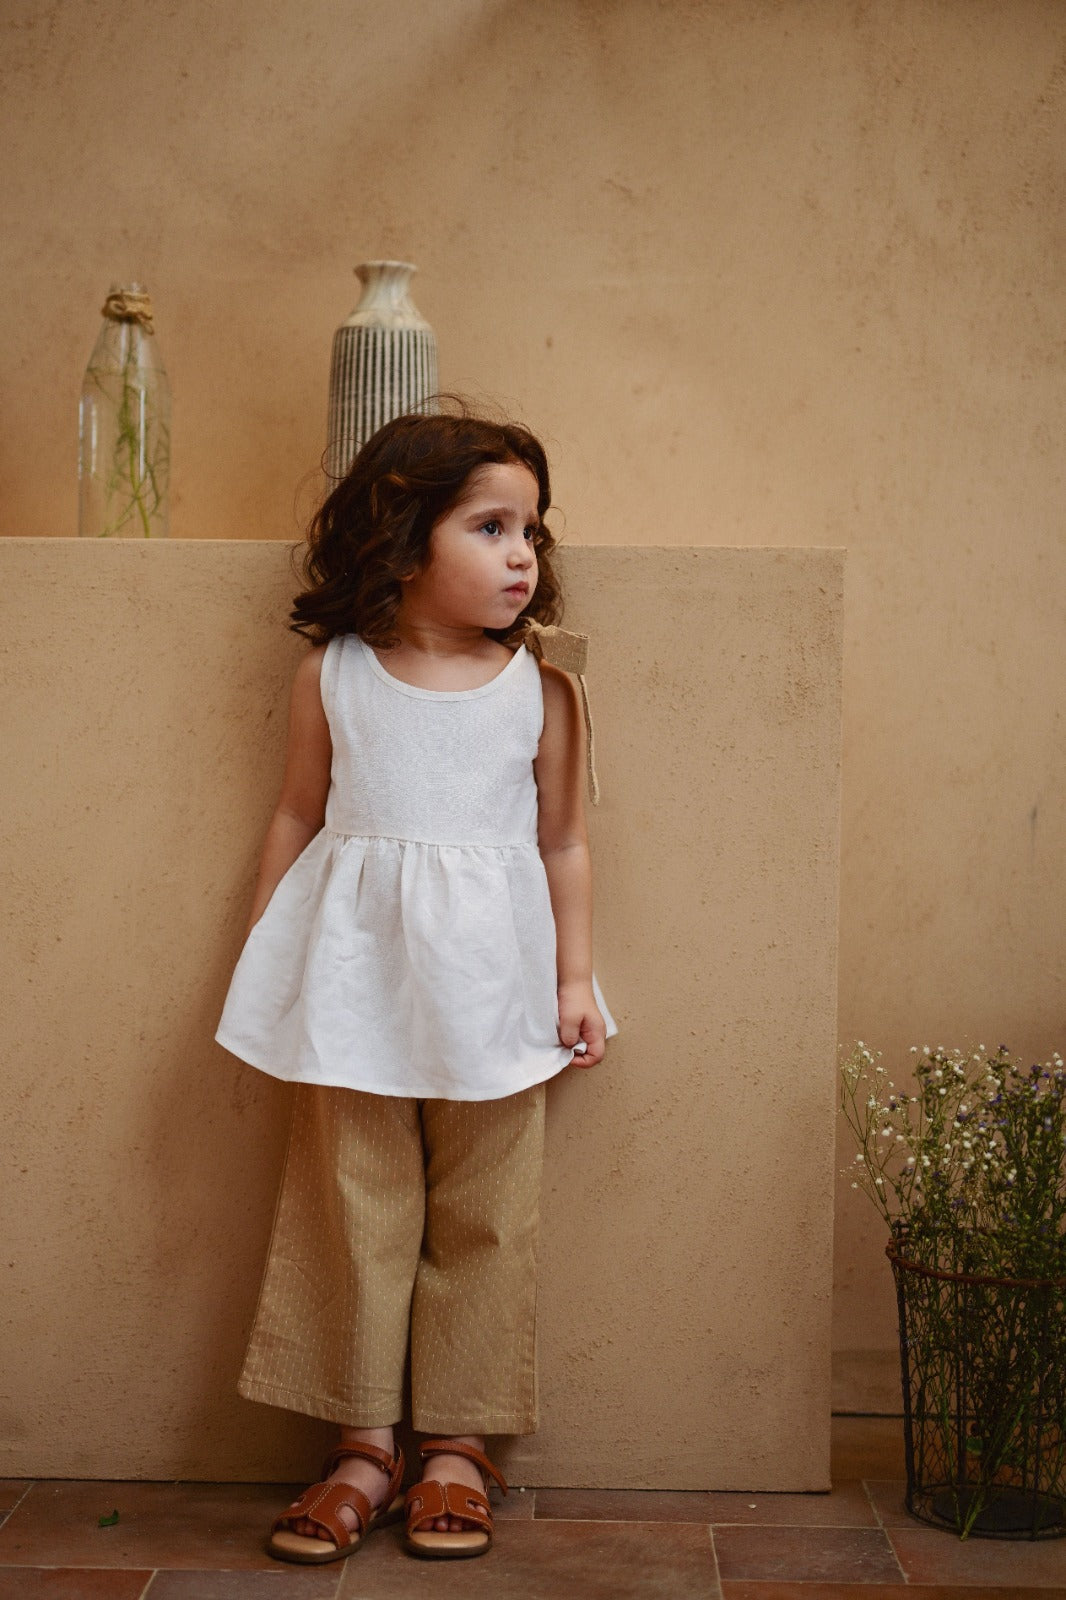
[384,363]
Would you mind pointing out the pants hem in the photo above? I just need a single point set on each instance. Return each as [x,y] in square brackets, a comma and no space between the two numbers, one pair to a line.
[346,1414]
[496,1424]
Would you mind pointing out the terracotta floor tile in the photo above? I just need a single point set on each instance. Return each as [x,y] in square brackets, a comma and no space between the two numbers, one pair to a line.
[11,1491]
[930,1555]
[623,1505]
[846,1507]
[546,1561]
[886,1497]
[196,1525]
[68,1583]
[880,1591]
[518,1506]
[285,1583]
[807,1555]
[866,1447]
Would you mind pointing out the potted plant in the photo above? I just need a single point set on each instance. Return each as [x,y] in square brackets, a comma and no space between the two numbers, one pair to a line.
[968,1168]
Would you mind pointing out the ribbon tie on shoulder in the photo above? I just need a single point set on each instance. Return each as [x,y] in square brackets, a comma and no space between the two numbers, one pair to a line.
[569,652]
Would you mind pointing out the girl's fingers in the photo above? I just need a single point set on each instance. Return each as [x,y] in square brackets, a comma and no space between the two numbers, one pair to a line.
[589,1049]
[581,1030]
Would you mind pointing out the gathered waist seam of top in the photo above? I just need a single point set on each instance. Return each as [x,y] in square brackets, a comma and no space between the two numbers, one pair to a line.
[436,844]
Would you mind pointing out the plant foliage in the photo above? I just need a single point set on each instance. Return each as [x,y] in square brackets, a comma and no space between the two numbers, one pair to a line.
[968,1169]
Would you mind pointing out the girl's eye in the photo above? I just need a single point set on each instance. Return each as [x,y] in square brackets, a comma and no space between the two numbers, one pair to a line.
[492,527]
[531,531]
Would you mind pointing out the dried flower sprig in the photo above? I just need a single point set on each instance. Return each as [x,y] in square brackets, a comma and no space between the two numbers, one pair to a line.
[972,1156]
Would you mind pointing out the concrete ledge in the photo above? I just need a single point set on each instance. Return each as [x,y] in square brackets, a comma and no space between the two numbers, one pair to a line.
[684,1330]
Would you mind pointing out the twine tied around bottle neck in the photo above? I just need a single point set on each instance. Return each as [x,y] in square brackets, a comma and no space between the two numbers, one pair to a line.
[570,653]
[129,305]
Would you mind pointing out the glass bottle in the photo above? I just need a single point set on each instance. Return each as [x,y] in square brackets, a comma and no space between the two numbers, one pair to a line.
[124,425]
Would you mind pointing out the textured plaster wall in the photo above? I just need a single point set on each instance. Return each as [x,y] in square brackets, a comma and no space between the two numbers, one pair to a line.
[686,1250]
[766,272]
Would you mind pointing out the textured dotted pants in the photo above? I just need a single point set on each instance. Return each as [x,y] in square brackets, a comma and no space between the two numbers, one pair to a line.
[404,1224]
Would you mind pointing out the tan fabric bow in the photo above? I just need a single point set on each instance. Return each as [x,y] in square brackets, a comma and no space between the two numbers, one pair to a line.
[569,652]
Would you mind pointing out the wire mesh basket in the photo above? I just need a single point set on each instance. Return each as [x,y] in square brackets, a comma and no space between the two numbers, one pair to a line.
[984,1395]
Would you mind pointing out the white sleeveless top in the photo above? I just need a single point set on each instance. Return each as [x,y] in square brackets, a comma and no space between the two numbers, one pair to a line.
[410,949]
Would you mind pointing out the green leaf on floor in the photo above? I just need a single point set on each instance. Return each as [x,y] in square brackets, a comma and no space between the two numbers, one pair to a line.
[108,1522]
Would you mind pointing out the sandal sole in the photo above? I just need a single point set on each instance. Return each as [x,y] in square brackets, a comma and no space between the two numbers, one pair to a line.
[299,1548]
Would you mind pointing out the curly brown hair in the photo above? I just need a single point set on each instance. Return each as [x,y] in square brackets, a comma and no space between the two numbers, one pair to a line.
[373,530]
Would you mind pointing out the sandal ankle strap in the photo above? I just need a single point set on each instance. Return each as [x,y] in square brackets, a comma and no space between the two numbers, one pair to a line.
[453,1447]
[367,1452]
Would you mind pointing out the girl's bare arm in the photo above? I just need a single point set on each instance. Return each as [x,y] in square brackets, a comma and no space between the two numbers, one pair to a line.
[301,808]
[560,773]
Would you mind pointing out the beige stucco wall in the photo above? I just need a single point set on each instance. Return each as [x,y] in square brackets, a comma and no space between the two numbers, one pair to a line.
[687,1224]
[778,272]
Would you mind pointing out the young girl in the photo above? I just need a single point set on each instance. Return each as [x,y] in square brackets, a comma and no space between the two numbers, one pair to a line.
[419,962]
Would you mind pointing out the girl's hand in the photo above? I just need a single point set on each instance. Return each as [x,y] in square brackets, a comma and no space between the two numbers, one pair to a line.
[580,1022]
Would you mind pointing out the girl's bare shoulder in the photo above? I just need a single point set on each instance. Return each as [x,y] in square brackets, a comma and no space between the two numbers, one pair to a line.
[307,683]
[309,667]
[560,696]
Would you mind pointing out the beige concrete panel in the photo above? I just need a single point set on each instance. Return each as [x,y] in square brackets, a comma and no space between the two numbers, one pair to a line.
[685,1302]
[684,1328]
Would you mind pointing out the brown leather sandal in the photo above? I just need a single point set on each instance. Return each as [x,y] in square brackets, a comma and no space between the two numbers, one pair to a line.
[321,1503]
[430,1499]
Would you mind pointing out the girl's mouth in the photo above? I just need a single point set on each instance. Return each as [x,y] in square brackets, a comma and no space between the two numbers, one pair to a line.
[519,590]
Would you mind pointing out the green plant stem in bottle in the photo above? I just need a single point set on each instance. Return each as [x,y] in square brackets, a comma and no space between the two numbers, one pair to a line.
[124,426]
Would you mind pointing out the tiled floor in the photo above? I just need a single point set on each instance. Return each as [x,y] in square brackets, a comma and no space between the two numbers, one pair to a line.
[205,1542]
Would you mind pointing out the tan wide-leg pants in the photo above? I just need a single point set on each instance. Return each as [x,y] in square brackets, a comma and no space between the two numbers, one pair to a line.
[404,1222]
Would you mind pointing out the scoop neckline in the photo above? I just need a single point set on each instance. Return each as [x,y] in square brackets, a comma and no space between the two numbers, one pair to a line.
[419,693]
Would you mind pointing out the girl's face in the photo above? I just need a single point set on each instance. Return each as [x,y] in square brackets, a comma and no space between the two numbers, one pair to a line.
[481,567]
